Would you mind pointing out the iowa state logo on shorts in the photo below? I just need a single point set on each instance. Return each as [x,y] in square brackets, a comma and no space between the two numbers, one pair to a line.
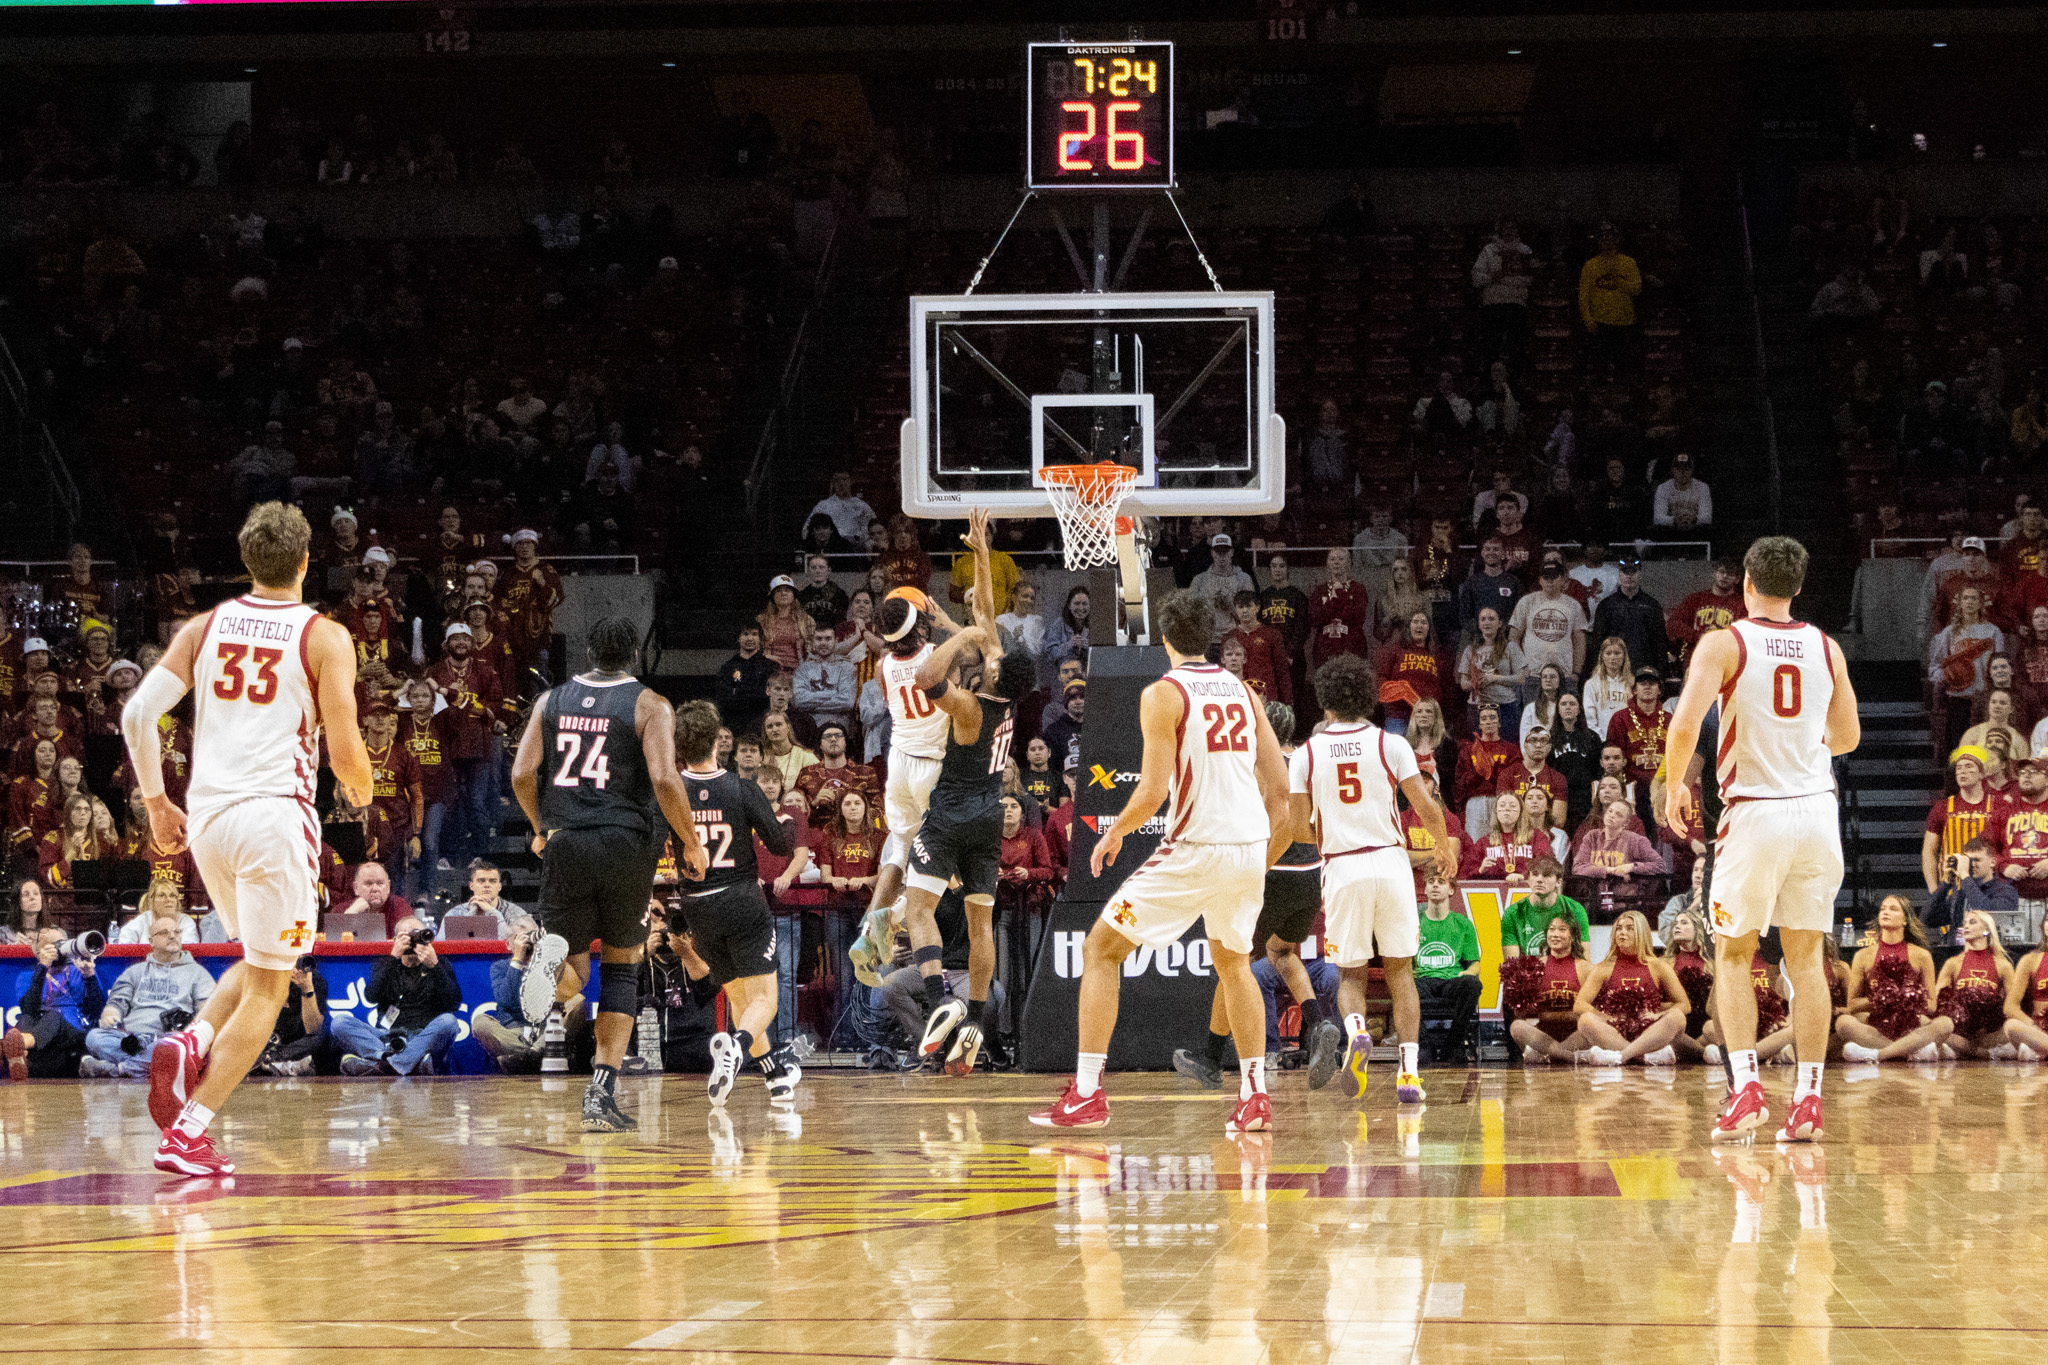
[1723,921]
[296,936]
[1120,914]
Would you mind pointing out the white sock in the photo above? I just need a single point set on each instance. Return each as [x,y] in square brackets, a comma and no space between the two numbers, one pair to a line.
[1354,1025]
[1411,1058]
[1809,1080]
[193,1119]
[202,1034]
[1088,1072]
[1742,1061]
[1251,1077]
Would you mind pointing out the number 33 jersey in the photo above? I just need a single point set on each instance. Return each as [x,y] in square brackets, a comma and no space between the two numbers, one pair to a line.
[1774,713]
[256,722]
[1215,775]
[1352,772]
[592,773]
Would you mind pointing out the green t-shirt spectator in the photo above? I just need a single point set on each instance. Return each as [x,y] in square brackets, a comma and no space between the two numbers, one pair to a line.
[1524,923]
[1449,946]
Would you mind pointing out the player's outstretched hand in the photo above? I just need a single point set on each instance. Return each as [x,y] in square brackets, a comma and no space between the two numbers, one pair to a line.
[166,824]
[1106,849]
[696,858]
[1446,864]
[1678,808]
[976,538]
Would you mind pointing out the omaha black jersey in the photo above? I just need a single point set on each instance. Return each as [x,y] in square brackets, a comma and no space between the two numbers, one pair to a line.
[970,785]
[592,773]
[730,811]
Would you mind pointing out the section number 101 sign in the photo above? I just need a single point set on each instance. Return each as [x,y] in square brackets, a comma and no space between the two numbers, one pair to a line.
[1099,116]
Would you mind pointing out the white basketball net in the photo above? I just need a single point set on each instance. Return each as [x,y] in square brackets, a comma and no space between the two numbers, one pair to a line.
[1085,497]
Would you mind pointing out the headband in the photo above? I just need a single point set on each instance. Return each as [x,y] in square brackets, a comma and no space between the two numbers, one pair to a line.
[909,623]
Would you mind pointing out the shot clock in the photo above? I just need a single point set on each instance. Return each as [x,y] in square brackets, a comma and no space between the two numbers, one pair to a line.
[1099,116]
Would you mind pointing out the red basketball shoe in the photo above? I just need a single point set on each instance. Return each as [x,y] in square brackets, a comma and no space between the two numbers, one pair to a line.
[1804,1124]
[181,1155]
[1253,1115]
[1744,1112]
[175,1067]
[1071,1111]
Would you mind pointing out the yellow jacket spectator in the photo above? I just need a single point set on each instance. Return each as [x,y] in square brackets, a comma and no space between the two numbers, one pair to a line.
[1608,285]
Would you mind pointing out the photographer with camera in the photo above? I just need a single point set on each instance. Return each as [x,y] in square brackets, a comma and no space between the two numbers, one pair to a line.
[302,1042]
[415,993]
[512,1040]
[666,974]
[154,996]
[1969,882]
[64,991]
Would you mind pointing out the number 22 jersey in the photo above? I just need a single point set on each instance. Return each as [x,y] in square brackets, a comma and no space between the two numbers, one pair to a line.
[1215,793]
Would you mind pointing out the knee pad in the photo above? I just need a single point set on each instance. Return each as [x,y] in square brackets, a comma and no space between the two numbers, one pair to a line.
[618,988]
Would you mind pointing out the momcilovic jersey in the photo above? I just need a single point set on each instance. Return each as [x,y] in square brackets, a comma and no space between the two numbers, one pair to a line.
[256,722]
[1774,713]
[1215,775]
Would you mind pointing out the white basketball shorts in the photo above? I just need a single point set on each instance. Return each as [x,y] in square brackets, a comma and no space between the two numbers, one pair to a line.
[909,796]
[1776,863]
[1223,885]
[1368,899]
[260,859]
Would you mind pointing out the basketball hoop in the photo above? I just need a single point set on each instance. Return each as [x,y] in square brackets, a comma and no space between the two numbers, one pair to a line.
[1085,497]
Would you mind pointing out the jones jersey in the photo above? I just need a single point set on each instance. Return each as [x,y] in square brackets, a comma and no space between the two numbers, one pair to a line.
[1774,713]
[918,726]
[256,722]
[1215,796]
[1352,772]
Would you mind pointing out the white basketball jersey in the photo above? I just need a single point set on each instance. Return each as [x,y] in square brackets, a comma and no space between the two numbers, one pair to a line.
[1215,796]
[1352,772]
[1774,713]
[256,722]
[920,727]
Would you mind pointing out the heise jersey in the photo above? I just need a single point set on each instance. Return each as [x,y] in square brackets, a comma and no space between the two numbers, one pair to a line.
[592,773]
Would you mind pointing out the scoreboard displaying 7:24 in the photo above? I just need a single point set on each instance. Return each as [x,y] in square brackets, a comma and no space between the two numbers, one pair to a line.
[1099,116]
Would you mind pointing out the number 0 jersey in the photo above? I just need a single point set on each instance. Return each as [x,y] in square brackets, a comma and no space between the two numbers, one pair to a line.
[1352,773]
[1774,713]
[1215,774]
[592,773]
[918,726]
[256,722]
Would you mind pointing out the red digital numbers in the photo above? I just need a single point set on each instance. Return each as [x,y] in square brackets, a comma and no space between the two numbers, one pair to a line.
[1124,149]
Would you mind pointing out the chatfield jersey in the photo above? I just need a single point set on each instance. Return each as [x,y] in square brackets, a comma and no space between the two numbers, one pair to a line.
[256,721]
[592,773]
[1215,793]
[1774,713]
[919,727]
[970,785]
[730,813]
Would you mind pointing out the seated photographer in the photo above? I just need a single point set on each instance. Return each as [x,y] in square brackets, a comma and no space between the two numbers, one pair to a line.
[504,1031]
[1970,882]
[159,900]
[485,883]
[672,978]
[160,993]
[301,1042]
[415,993]
[48,1038]
[374,897]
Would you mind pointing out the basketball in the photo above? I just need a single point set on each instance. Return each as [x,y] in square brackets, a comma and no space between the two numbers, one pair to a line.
[911,595]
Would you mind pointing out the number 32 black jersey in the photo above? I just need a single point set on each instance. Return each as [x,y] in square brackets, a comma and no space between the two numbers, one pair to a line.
[730,811]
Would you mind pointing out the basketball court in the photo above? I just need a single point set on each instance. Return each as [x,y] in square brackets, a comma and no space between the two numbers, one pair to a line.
[1522,1215]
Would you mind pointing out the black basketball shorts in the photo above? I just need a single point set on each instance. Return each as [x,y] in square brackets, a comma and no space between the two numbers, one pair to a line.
[1293,895]
[943,849]
[594,884]
[731,929]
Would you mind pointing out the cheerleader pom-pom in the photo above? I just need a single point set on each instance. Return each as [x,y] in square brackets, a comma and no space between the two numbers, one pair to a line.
[1630,999]
[1895,1003]
[1975,1012]
[1521,985]
[1697,980]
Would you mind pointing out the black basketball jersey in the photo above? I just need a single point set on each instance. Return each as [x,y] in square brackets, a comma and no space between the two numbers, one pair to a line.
[592,773]
[730,811]
[970,785]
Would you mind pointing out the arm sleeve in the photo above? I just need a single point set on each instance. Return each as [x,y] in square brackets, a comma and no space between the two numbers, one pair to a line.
[1468,941]
[1660,505]
[95,998]
[777,837]
[1582,863]
[1706,505]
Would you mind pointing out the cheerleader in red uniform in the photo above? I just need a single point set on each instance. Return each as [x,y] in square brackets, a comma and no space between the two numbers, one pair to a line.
[1541,991]
[1631,1006]
[1891,1010]
[2026,1004]
[1777,1045]
[1685,953]
[1970,992]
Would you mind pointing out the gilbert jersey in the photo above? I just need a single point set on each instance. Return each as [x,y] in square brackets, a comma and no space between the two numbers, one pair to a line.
[730,814]
[1215,793]
[256,721]
[592,772]
[1774,713]
[917,726]
[1352,773]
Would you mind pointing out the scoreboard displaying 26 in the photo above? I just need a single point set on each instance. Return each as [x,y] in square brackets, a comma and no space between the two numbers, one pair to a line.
[1099,116]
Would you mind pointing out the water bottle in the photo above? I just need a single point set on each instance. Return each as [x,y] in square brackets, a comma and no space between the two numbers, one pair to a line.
[649,1037]
[1607,903]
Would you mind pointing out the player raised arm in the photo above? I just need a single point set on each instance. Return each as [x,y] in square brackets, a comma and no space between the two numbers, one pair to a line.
[1715,657]
[1160,712]
[984,585]
[655,720]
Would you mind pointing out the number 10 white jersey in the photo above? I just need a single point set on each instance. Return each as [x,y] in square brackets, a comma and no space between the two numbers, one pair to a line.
[918,727]
[1774,713]
[1352,772]
[1215,778]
